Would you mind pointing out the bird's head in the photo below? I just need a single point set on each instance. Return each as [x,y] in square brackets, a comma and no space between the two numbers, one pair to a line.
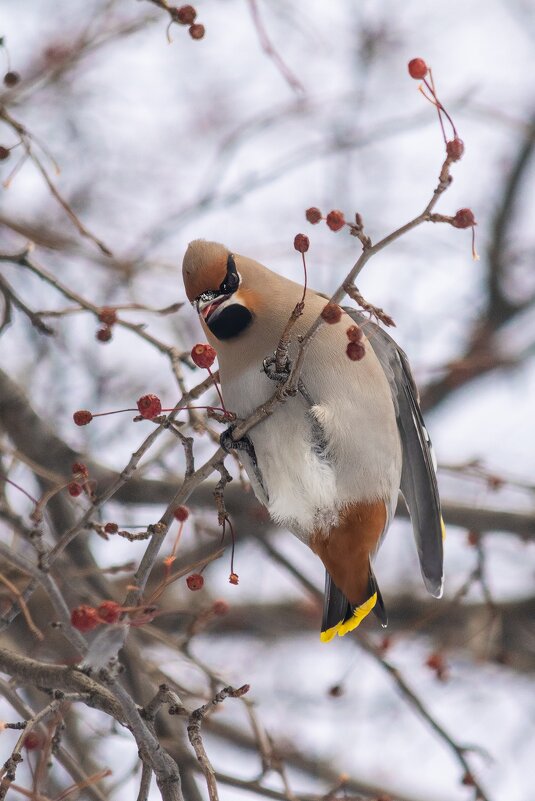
[215,287]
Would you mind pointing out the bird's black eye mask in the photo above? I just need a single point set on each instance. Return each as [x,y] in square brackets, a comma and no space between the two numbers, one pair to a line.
[227,287]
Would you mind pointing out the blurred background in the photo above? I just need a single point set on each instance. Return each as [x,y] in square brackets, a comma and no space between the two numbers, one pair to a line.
[279,107]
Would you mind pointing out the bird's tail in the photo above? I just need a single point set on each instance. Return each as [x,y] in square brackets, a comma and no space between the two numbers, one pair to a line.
[341,616]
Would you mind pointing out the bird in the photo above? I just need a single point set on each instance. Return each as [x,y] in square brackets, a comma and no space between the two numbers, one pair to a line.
[329,463]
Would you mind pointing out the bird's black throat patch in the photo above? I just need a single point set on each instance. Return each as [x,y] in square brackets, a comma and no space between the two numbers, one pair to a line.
[230,321]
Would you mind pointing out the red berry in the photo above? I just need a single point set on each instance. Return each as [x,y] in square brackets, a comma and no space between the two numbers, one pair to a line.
[233,578]
[84,618]
[301,243]
[107,315]
[455,149]
[149,406]
[331,313]
[82,417]
[335,220]
[11,79]
[464,218]
[75,489]
[196,31]
[313,215]
[81,469]
[435,661]
[104,334]
[32,741]
[220,607]
[417,68]
[185,14]
[468,780]
[181,513]
[195,582]
[109,611]
[4,153]
[355,351]
[203,355]
[354,333]
[111,528]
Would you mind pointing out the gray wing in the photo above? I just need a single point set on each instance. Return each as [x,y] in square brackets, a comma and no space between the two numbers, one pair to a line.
[418,474]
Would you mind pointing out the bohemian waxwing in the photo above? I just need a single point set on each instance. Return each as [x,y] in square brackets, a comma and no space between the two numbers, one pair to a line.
[329,462]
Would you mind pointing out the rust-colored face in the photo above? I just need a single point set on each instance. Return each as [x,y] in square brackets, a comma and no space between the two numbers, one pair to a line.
[212,282]
[204,268]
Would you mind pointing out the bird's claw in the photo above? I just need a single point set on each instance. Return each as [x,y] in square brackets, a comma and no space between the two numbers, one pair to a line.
[229,444]
[269,367]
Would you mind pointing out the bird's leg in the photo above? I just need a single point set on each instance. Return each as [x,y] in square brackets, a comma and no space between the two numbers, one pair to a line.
[269,367]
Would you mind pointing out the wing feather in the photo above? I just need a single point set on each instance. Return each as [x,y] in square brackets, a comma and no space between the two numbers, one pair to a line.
[418,476]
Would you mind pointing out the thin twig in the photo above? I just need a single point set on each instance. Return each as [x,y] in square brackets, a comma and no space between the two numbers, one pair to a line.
[194,733]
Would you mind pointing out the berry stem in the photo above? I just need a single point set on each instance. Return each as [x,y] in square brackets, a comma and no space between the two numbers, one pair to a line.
[218,392]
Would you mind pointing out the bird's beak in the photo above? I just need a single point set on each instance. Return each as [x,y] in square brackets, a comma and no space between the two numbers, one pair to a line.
[205,308]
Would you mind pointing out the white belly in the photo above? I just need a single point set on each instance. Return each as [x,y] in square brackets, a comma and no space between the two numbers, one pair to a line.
[305,488]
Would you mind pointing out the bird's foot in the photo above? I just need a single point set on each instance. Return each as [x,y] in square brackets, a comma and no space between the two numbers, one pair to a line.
[229,444]
[269,366]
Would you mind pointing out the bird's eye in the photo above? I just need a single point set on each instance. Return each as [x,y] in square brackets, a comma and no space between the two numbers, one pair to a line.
[230,284]
[232,279]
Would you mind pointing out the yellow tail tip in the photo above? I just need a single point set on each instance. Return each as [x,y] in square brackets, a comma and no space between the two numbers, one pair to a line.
[443,528]
[344,626]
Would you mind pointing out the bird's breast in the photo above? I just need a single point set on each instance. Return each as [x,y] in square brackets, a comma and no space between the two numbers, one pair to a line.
[315,460]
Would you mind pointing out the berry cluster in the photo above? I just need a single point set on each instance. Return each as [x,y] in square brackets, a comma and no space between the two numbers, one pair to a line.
[355,349]
[108,317]
[419,70]
[86,618]
[186,15]
[335,219]
[80,482]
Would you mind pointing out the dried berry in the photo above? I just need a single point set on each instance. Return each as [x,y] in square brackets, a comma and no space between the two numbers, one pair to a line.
[107,315]
[104,334]
[82,417]
[473,538]
[111,528]
[185,15]
[301,243]
[455,149]
[181,513]
[79,468]
[196,31]
[313,215]
[203,355]
[84,618]
[149,406]
[75,489]
[220,607]
[109,611]
[417,68]
[233,578]
[464,218]
[4,153]
[195,582]
[355,351]
[436,662]
[32,741]
[354,333]
[331,313]
[11,79]
[335,220]
[336,691]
